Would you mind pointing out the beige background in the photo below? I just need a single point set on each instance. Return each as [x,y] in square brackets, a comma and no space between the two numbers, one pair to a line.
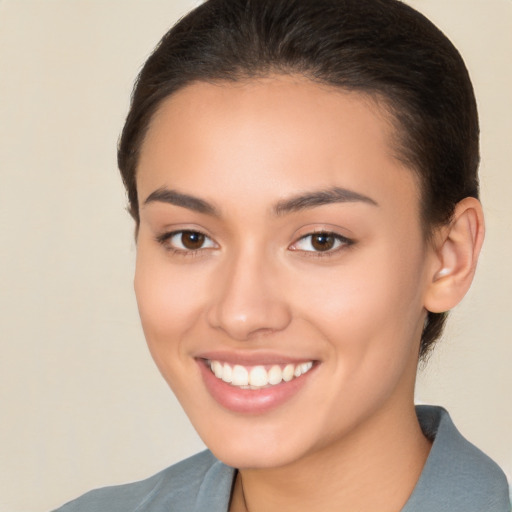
[81,404]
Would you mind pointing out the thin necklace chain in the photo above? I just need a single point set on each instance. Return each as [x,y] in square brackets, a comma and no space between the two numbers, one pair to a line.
[243,493]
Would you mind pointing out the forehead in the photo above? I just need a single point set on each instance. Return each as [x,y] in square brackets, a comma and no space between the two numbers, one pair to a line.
[253,102]
[271,134]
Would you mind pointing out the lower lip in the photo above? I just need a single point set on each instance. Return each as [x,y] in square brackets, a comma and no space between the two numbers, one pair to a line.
[250,401]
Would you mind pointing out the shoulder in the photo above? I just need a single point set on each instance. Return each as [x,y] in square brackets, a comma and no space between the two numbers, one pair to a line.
[457,475]
[175,488]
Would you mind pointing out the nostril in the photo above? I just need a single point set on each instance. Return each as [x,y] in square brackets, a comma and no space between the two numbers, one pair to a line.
[245,301]
[256,320]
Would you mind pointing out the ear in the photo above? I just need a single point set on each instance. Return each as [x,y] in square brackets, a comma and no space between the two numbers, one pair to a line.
[456,251]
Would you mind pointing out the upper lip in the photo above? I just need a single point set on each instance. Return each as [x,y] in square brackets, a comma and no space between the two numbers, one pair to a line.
[252,358]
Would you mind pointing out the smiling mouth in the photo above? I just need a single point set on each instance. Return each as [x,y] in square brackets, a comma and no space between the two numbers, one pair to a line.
[257,377]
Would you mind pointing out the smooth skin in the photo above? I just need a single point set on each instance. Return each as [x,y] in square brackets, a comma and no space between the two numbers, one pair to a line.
[255,279]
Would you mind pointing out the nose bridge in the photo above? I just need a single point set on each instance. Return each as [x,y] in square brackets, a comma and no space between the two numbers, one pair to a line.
[248,300]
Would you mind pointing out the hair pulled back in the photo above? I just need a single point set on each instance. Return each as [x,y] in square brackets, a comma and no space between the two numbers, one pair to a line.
[382,48]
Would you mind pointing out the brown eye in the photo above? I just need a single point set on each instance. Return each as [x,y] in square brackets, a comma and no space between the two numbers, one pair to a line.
[186,241]
[192,240]
[322,241]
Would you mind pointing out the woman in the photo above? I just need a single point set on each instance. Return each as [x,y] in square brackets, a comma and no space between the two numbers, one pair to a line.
[303,179]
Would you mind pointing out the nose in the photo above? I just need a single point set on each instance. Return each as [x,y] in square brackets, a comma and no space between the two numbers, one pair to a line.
[249,300]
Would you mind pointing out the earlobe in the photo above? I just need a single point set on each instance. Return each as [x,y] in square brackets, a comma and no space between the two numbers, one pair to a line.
[456,254]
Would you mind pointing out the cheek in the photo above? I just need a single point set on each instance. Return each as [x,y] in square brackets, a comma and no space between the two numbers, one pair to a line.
[169,301]
[369,307]
[369,317]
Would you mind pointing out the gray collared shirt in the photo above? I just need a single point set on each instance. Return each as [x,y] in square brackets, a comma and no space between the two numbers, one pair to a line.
[457,477]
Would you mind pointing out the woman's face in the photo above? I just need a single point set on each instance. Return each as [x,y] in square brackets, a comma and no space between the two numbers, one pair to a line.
[279,235]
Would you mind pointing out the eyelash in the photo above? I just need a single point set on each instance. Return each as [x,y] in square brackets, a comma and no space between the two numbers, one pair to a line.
[341,241]
[166,241]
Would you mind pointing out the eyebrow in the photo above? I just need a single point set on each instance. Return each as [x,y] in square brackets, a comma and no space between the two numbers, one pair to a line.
[320,198]
[285,206]
[165,195]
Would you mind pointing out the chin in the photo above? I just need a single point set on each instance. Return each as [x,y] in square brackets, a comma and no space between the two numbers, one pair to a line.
[247,455]
[257,443]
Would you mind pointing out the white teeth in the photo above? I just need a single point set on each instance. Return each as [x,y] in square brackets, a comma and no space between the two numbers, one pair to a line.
[257,377]
[305,367]
[240,376]
[275,375]
[288,372]
[217,369]
[227,373]
[302,368]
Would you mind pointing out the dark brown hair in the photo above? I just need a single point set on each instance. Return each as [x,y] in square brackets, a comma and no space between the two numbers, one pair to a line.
[383,48]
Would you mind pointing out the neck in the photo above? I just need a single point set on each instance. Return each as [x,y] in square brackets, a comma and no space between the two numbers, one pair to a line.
[376,469]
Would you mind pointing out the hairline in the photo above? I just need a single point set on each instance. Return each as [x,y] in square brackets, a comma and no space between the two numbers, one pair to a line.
[382,103]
